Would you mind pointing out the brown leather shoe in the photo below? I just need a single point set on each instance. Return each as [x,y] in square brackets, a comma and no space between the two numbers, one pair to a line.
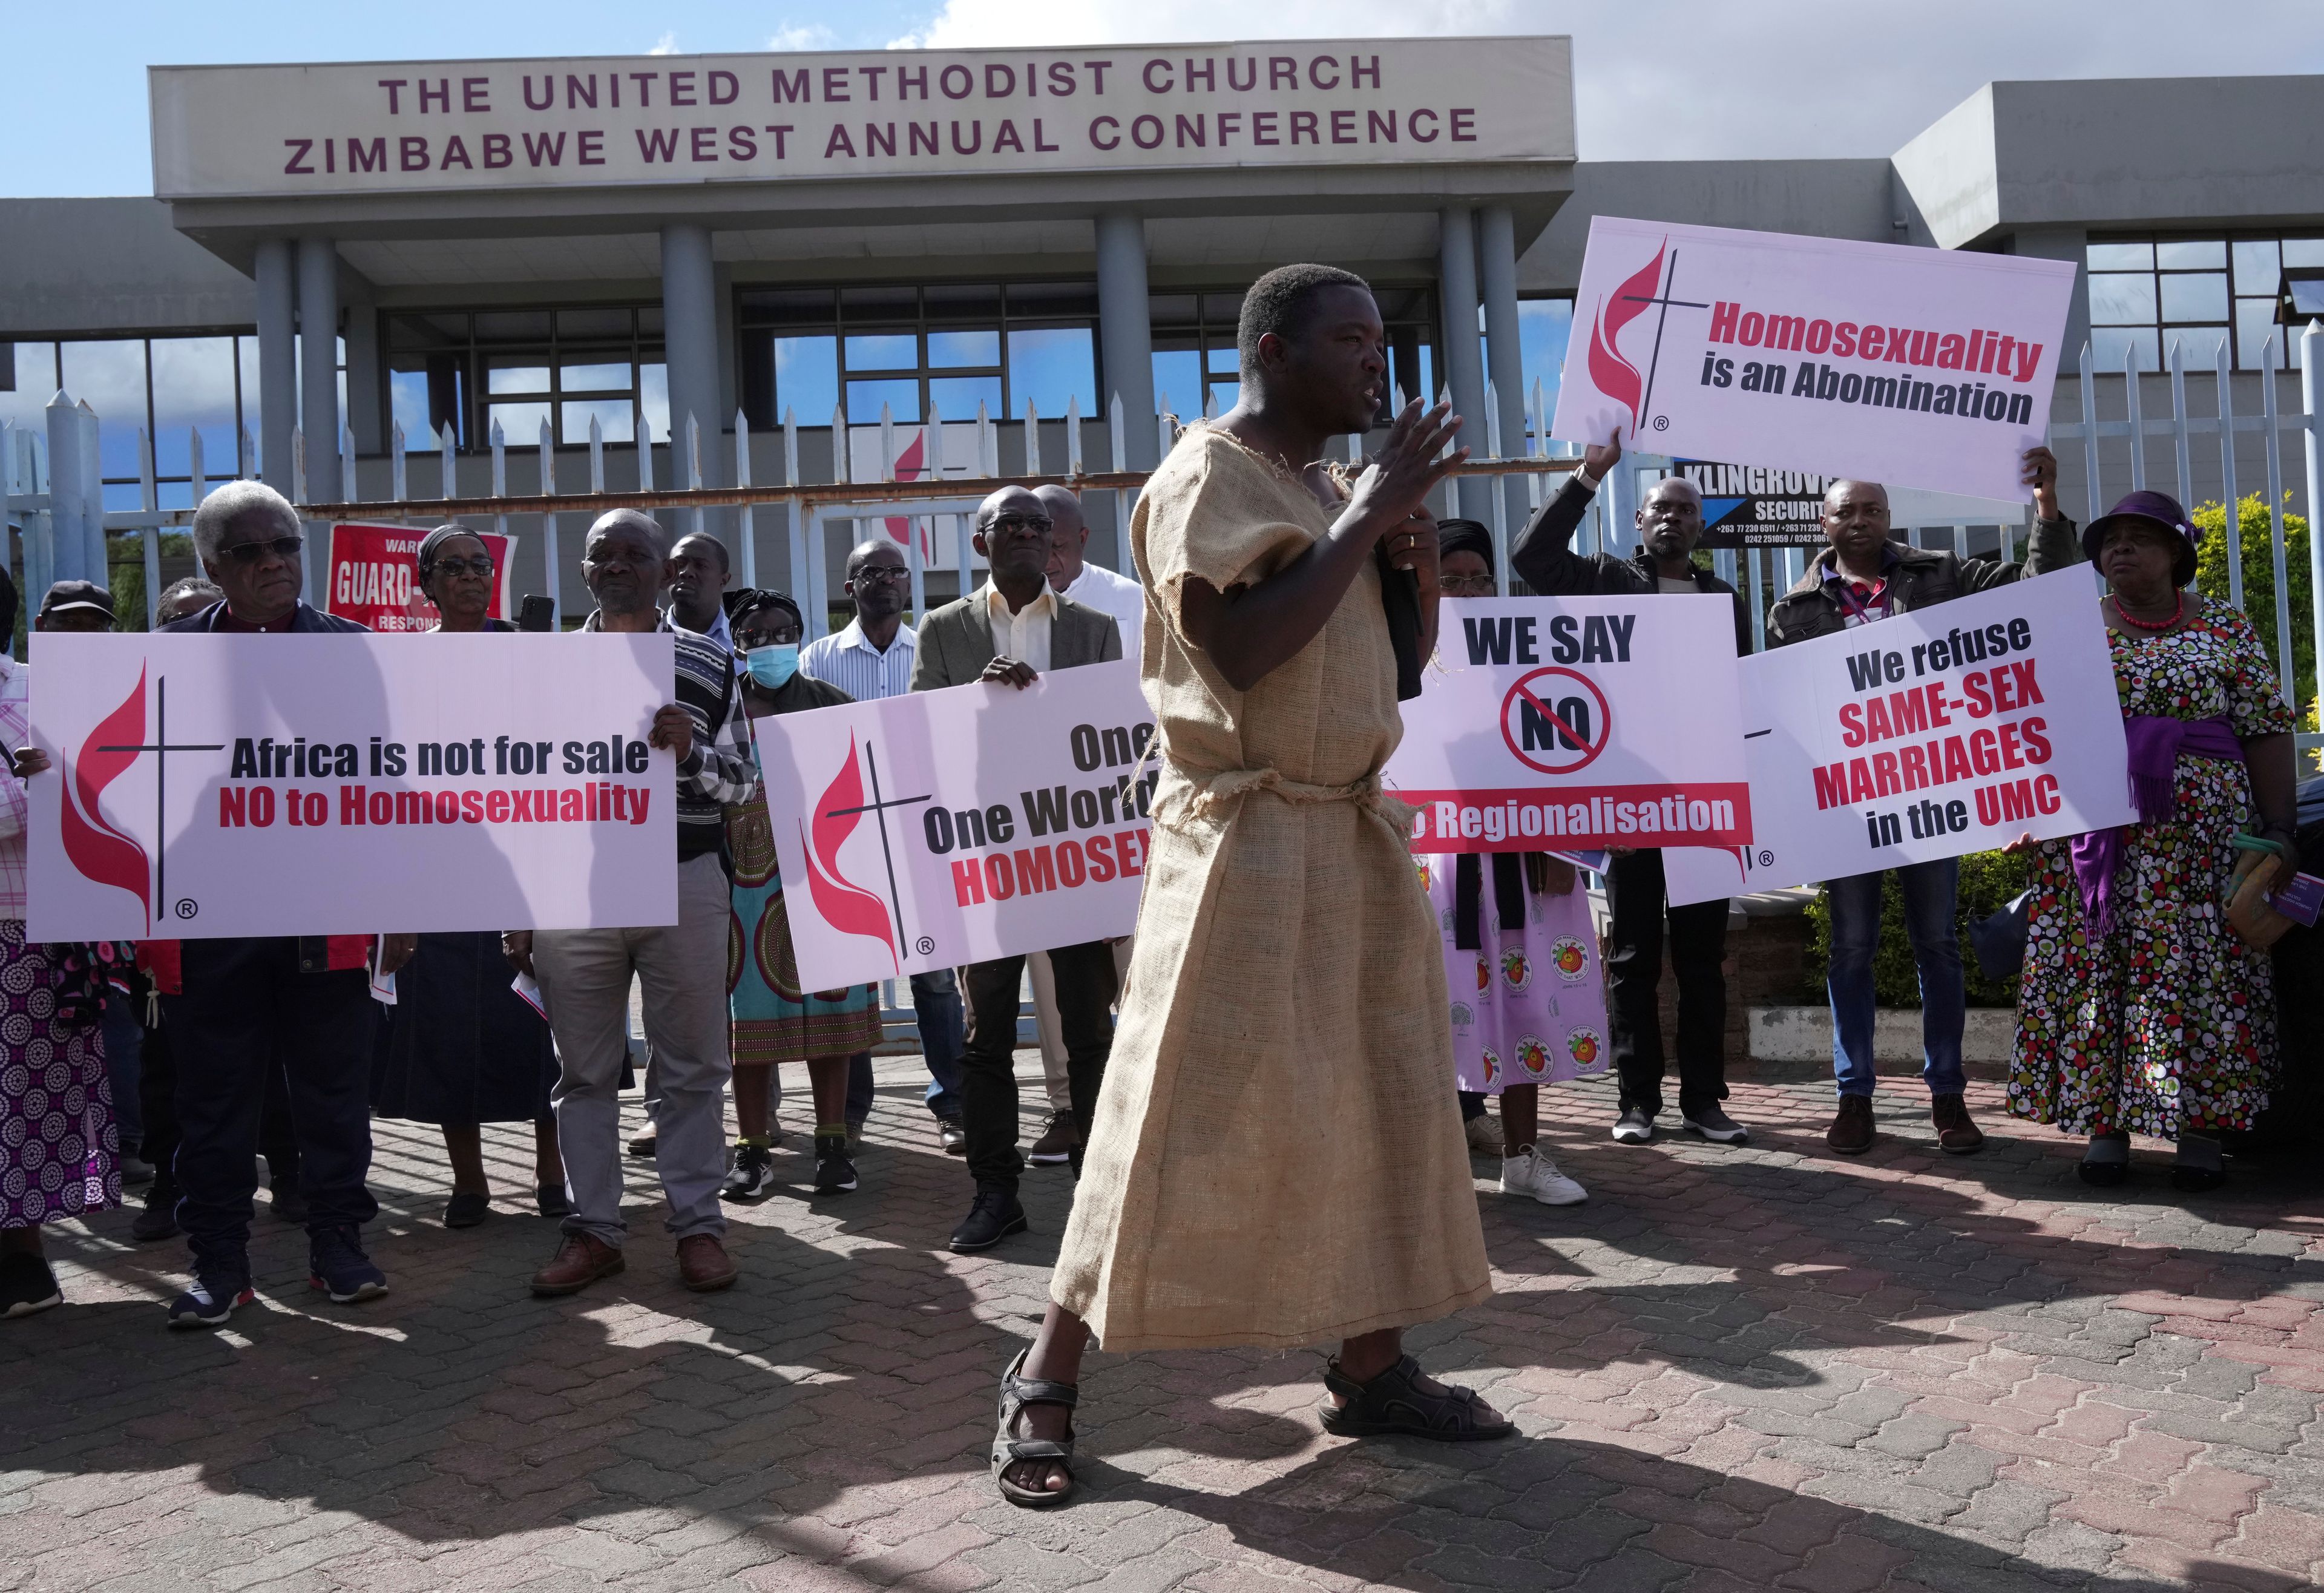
[1850,1133]
[581,1260]
[1956,1135]
[701,1264]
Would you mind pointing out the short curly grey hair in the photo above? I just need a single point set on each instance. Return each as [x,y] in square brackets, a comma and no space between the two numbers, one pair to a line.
[232,502]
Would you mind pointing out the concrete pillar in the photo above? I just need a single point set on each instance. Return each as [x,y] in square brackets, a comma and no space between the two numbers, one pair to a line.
[689,314]
[318,367]
[1459,366]
[1126,337]
[278,363]
[1497,268]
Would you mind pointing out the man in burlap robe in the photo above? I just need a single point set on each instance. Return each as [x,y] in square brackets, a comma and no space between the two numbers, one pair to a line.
[1277,1159]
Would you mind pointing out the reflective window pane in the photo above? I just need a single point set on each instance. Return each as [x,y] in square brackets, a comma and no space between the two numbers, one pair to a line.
[193,388]
[245,349]
[501,377]
[2121,301]
[1224,396]
[109,377]
[810,306]
[520,424]
[2255,324]
[408,406]
[1543,325]
[653,400]
[2210,254]
[2303,251]
[2202,298]
[1050,365]
[2110,347]
[2120,256]
[807,379]
[593,323]
[1226,360]
[957,301]
[600,378]
[883,351]
[36,385]
[1178,381]
[616,420]
[955,397]
[900,395]
[2256,270]
[955,349]
[511,325]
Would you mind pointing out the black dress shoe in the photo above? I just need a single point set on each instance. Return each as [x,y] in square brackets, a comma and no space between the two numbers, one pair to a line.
[467,1211]
[993,1218]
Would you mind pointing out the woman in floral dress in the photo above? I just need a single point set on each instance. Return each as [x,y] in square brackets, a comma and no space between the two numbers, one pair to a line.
[2141,1011]
[1528,1002]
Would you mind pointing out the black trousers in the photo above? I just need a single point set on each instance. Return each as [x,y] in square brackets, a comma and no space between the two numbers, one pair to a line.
[989,1100]
[157,1092]
[249,1008]
[1633,964]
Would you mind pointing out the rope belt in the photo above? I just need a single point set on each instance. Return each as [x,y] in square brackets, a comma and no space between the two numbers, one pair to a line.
[1209,795]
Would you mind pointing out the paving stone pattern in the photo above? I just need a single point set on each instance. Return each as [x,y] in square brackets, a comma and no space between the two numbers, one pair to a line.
[1733,1369]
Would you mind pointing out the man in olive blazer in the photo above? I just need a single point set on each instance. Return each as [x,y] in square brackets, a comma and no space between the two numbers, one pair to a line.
[1005,634]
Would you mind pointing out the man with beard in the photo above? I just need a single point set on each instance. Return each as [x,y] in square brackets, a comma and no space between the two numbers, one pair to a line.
[1670,522]
[1277,1159]
[871,657]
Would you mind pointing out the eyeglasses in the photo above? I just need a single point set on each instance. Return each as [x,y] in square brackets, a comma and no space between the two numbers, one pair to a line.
[1466,585]
[1022,522]
[461,566]
[247,553]
[873,574]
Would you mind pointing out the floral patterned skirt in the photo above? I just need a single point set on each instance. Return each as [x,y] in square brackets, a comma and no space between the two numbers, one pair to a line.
[2169,1022]
[59,1148]
[1529,1005]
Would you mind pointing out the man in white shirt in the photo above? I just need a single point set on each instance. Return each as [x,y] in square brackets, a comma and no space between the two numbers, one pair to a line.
[699,575]
[1094,584]
[871,657]
[868,660]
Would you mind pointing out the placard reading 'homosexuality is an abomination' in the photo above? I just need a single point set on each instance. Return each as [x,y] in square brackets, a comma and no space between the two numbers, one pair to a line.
[208,784]
[955,826]
[1924,368]
[1939,732]
[1573,723]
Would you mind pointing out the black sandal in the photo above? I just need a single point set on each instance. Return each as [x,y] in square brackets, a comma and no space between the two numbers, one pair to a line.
[1008,1450]
[1393,1401]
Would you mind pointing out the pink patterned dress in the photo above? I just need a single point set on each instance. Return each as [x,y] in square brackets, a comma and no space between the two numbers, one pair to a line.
[1528,1004]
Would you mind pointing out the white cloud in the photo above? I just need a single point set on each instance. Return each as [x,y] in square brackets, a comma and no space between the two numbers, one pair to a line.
[666,45]
[1699,80]
[802,36]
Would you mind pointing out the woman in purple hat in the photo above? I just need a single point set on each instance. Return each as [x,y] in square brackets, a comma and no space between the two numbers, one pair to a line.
[2141,1012]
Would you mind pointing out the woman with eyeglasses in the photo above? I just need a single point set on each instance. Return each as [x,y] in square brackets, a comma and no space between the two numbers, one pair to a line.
[775,1020]
[461,1048]
[1529,1008]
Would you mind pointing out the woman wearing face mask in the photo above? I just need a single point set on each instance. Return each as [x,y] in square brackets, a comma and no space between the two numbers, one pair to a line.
[2141,1010]
[776,1021]
[461,1048]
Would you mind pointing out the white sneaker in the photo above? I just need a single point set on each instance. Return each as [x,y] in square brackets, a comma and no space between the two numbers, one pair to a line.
[1531,1172]
[1484,1133]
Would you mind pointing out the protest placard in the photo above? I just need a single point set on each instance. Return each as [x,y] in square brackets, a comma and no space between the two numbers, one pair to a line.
[1935,732]
[1918,367]
[207,785]
[1565,723]
[376,576]
[955,826]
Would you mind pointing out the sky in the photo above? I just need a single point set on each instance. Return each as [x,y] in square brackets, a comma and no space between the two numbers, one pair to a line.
[1654,79]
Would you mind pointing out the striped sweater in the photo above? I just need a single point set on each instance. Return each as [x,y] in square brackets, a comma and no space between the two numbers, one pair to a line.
[721,767]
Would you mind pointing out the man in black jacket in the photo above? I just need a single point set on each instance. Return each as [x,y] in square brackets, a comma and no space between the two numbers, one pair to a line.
[1860,578]
[1669,521]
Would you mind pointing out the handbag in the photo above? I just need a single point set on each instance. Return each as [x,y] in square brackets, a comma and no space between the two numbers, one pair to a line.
[2261,865]
[1998,939]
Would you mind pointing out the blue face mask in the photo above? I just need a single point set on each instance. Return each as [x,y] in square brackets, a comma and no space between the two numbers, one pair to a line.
[772,666]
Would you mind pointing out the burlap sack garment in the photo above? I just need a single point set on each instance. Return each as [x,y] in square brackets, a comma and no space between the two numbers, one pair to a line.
[1277,1156]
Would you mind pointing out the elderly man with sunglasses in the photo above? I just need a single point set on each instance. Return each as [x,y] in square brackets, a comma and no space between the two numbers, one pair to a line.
[1006,633]
[235,1008]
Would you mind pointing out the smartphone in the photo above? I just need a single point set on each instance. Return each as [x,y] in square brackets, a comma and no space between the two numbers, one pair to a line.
[536,612]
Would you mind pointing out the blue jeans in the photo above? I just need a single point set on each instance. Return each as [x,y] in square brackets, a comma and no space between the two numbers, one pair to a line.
[935,1001]
[1928,924]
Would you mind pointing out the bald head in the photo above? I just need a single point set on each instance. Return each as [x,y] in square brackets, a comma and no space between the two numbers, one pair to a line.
[1068,534]
[621,561]
[1856,525]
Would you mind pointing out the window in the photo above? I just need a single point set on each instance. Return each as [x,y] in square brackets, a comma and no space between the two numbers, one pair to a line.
[167,386]
[944,349]
[1543,325]
[1197,367]
[467,370]
[2148,293]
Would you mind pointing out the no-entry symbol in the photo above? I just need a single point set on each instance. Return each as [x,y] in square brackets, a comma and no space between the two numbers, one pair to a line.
[1556,719]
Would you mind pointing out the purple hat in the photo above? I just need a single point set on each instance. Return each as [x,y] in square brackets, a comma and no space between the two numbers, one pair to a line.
[2158,509]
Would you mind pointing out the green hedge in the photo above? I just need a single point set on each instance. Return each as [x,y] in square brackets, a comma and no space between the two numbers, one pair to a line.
[1988,879]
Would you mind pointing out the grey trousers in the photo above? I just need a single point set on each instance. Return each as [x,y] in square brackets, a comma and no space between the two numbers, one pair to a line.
[584,981]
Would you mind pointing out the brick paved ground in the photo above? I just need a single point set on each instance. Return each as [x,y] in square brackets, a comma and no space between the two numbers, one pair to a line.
[1733,1369]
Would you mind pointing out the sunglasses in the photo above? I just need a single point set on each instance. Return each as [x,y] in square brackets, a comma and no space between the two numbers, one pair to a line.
[751,640]
[461,566]
[250,553]
[873,573]
[1021,522]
